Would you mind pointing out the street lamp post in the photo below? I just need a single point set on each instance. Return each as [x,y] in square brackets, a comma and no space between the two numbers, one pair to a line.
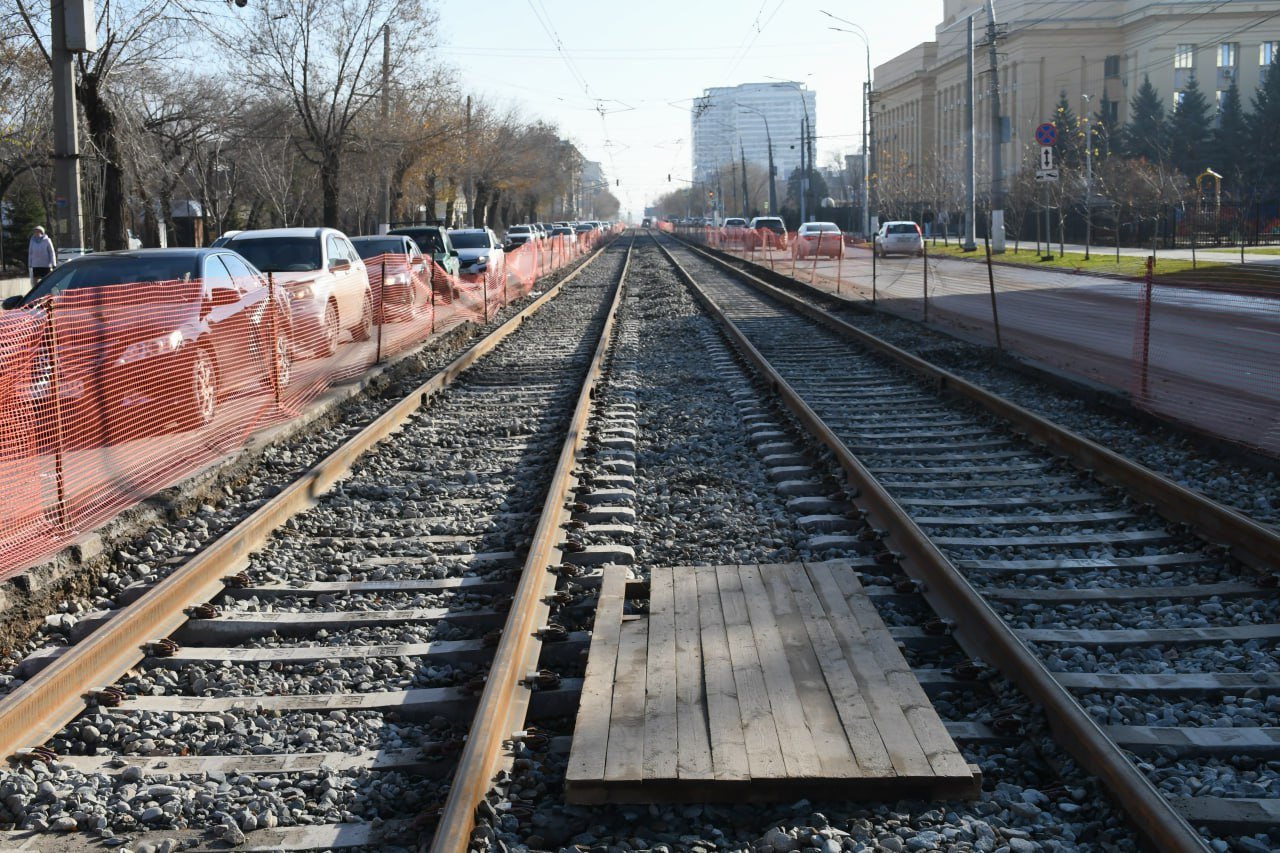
[866,120]
[805,130]
[1088,176]
[773,189]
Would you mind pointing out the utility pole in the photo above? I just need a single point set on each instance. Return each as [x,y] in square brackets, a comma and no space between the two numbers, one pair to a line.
[470,190]
[385,225]
[746,197]
[970,202]
[1088,176]
[72,30]
[994,33]
[804,173]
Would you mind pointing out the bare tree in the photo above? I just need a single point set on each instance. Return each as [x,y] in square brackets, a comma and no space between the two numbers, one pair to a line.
[326,56]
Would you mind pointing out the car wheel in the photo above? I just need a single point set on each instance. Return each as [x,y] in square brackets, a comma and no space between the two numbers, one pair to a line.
[329,330]
[202,392]
[364,330]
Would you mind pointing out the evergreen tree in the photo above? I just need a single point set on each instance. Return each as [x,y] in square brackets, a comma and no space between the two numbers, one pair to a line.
[1144,135]
[1264,123]
[1229,143]
[1069,150]
[26,211]
[1189,130]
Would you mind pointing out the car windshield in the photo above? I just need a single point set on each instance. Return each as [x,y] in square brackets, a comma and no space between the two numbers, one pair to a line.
[902,228]
[518,229]
[561,230]
[279,254]
[428,239]
[773,224]
[820,226]
[469,239]
[373,248]
[106,270]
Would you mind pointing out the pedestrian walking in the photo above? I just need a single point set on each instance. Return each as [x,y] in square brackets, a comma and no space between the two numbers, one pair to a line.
[41,258]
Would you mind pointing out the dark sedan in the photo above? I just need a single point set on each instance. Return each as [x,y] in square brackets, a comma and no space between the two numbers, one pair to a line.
[151,337]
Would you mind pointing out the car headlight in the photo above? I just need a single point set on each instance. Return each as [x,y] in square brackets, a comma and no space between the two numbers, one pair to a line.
[152,348]
[300,291]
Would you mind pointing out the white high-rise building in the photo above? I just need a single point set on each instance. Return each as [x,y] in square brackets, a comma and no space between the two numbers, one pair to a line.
[730,122]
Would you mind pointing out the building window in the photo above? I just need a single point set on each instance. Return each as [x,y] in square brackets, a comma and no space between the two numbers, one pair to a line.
[1111,66]
[1185,56]
[1227,52]
[1267,52]
[1177,98]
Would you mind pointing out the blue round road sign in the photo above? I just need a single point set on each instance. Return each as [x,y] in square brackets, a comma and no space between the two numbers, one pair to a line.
[1046,134]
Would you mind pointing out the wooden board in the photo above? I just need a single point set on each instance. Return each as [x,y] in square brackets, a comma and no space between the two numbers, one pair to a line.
[754,683]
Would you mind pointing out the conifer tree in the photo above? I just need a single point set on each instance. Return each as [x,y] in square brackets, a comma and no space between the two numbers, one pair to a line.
[1189,129]
[1264,132]
[1144,135]
[1069,149]
[1229,143]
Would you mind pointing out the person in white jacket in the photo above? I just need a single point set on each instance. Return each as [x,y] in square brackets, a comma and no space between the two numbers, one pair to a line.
[41,258]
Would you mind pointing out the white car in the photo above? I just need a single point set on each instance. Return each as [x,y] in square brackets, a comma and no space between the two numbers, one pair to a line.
[479,250]
[899,238]
[324,277]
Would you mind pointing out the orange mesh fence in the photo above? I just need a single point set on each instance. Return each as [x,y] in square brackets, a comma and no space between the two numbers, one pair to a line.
[112,393]
[1196,345]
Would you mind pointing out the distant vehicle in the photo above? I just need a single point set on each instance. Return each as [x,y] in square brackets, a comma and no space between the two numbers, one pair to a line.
[518,235]
[324,277]
[479,250]
[433,241]
[899,238]
[566,233]
[818,239]
[646,222]
[163,335]
[404,292]
[222,241]
[70,253]
[767,232]
[734,231]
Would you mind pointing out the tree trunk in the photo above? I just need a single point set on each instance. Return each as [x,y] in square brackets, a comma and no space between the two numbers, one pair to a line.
[330,176]
[101,122]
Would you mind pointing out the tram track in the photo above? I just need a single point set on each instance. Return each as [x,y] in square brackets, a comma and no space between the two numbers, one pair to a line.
[971,508]
[321,695]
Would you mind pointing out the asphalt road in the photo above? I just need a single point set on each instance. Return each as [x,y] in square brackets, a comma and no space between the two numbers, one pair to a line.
[1208,358]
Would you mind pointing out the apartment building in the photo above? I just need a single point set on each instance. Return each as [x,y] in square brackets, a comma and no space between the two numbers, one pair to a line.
[730,122]
[1096,51]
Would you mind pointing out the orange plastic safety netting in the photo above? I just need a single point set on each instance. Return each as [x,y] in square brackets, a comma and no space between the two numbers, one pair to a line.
[111,393]
[1197,342]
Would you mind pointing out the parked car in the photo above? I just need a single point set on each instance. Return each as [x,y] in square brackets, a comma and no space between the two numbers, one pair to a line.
[324,277]
[820,239]
[70,253]
[479,250]
[565,233]
[433,241]
[518,235]
[154,336]
[733,231]
[899,238]
[405,274]
[766,232]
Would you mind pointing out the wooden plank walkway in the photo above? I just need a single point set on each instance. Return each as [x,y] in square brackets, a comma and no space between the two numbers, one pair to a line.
[754,683]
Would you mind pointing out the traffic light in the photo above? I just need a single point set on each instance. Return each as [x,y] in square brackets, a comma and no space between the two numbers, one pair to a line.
[711,193]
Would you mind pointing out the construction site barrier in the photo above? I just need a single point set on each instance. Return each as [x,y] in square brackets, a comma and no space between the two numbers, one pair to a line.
[110,394]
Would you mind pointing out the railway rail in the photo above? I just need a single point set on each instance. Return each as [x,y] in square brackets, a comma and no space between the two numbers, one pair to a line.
[975,501]
[392,597]
[289,670]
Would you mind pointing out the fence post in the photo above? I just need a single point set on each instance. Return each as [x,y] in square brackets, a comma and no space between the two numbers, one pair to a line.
[377,314]
[991,284]
[275,334]
[484,289]
[924,256]
[874,253]
[1146,329]
[431,283]
[62,513]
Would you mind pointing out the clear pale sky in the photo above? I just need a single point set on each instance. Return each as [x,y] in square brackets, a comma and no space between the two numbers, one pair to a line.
[642,63]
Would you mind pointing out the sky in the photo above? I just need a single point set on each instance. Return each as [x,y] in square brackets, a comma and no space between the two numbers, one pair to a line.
[619,79]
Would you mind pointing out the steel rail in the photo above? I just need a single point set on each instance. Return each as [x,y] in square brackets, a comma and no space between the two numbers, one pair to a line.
[977,627]
[1252,543]
[506,693]
[58,693]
